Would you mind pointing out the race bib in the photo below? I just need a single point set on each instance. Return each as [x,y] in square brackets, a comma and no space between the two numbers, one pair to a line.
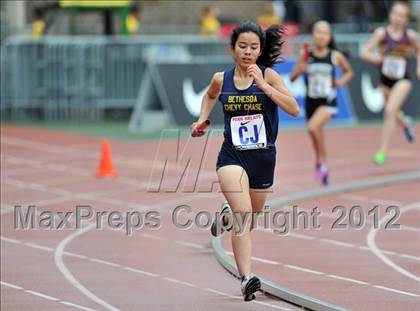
[319,85]
[248,132]
[394,67]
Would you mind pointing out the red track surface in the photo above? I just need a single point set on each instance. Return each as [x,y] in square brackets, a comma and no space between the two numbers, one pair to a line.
[175,269]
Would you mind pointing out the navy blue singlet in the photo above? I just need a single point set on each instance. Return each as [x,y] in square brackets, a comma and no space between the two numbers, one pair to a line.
[249,101]
[259,163]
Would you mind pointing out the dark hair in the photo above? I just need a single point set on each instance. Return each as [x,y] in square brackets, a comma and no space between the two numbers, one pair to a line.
[332,45]
[270,41]
[39,13]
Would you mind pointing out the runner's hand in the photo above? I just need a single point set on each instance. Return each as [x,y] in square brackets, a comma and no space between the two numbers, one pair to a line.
[338,83]
[198,128]
[377,60]
[255,72]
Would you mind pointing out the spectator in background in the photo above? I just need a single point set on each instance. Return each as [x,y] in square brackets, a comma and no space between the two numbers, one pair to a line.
[361,16]
[132,21]
[39,25]
[268,17]
[292,20]
[210,24]
[279,9]
[292,12]
[416,13]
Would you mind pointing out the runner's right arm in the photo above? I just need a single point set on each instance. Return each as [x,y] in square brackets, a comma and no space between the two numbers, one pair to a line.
[208,102]
[300,66]
[368,54]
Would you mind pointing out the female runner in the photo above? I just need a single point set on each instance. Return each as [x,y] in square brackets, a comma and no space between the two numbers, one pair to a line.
[250,93]
[318,65]
[396,44]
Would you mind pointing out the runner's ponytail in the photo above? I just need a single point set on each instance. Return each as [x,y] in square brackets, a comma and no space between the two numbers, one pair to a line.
[271,49]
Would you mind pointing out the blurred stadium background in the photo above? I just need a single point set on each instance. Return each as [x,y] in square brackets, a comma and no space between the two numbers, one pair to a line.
[143,64]
[125,70]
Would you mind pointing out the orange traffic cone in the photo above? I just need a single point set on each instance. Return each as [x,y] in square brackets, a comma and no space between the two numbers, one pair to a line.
[105,166]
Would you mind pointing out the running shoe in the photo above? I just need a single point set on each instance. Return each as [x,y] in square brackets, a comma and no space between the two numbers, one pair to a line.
[408,129]
[217,228]
[379,158]
[249,286]
[318,173]
[325,178]
[324,174]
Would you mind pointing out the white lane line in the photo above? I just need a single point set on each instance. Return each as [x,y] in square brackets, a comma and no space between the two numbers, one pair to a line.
[270,305]
[410,257]
[388,252]
[322,273]
[364,199]
[304,269]
[370,241]
[76,306]
[240,297]
[353,197]
[104,262]
[408,228]
[38,187]
[221,293]
[270,262]
[11,240]
[230,253]
[151,236]
[58,258]
[10,285]
[344,244]
[41,203]
[179,282]
[347,279]
[349,245]
[396,291]
[370,222]
[385,202]
[44,248]
[193,245]
[141,272]
[75,255]
[6,208]
[60,149]
[302,236]
[42,295]
[175,281]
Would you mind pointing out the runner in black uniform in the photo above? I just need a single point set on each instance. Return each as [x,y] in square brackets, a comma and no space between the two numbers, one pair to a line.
[318,66]
[250,94]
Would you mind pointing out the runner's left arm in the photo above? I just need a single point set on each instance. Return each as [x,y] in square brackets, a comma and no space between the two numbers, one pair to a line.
[341,61]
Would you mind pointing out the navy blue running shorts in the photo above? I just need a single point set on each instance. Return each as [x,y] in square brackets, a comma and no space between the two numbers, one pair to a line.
[259,164]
